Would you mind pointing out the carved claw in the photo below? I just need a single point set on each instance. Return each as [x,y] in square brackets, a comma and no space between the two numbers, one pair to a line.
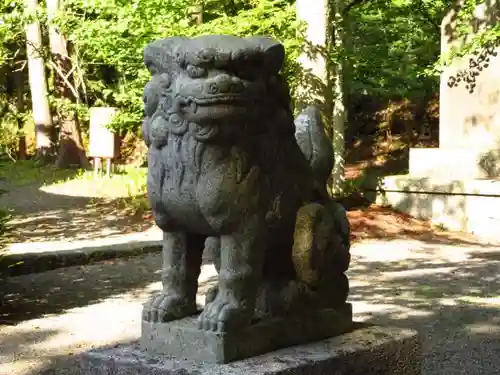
[220,315]
[211,294]
[163,308]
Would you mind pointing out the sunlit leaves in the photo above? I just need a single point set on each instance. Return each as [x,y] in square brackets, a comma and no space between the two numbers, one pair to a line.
[111,35]
[394,41]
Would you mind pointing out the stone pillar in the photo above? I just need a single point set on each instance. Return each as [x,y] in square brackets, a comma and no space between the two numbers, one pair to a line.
[470,118]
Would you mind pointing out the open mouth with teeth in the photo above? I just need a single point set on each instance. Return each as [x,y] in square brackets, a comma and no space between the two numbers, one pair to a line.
[216,99]
[213,107]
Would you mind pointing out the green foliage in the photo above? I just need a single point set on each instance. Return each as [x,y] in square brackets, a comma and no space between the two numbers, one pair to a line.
[11,30]
[474,40]
[9,136]
[391,47]
[109,37]
[393,43]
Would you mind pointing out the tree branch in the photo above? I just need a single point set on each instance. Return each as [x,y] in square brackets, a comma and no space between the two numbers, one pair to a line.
[61,74]
[352,4]
[425,14]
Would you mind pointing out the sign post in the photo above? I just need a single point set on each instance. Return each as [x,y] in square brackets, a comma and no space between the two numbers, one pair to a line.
[103,141]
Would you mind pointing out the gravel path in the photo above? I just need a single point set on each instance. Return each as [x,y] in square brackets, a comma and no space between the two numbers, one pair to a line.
[450,294]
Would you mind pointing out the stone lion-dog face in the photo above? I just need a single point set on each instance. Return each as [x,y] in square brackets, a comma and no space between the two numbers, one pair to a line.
[212,86]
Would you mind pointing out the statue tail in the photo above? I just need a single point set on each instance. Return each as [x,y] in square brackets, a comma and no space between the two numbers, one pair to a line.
[315,143]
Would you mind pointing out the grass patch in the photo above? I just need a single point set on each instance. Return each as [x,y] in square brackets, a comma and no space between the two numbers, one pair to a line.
[30,172]
[126,187]
[126,182]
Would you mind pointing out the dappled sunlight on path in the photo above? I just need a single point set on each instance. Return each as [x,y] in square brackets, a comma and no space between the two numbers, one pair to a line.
[64,312]
[449,294]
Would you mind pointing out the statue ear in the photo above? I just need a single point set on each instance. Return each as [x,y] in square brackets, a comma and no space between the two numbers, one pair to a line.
[152,56]
[273,52]
[162,54]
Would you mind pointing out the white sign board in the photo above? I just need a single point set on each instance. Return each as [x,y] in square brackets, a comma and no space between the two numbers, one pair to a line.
[102,141]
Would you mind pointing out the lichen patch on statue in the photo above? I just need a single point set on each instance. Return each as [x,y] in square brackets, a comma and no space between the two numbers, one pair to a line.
[228,174]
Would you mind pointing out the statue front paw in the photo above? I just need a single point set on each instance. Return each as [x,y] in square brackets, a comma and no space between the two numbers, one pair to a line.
[211,294]
[221,315]
[164,307]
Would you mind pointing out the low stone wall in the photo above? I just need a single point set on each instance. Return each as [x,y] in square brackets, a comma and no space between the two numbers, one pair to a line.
[467,205]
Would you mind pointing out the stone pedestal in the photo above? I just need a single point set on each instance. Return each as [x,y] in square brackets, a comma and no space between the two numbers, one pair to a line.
[365,350]
[183,339]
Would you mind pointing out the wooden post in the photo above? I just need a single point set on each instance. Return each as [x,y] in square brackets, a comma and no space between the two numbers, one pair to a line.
[97,167]
[108,167]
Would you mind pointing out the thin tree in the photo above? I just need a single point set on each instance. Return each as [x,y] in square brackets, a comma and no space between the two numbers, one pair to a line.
[44,130]
[324,82]
[338,87]
[19,80]
[71,150]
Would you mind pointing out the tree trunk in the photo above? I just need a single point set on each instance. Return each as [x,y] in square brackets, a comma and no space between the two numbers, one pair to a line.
[71,151]
[19,84]
[38,86]
[197,12]
[314,81]
[338,85]
[325,83]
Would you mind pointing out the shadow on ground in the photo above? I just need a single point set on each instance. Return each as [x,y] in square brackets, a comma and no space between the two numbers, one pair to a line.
[91,220]
[36,295]
[39,216]
[49,204]
[449,294]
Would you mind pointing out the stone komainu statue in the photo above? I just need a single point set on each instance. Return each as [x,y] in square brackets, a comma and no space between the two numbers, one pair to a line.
[232,173]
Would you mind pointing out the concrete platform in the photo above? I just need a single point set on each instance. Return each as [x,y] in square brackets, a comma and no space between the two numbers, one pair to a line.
[468,205]
[366,350]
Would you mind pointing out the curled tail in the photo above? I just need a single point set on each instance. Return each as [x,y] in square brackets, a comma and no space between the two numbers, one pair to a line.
[321,250]
[315,143]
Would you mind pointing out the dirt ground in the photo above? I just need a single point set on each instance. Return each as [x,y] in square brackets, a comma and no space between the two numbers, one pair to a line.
[66,212]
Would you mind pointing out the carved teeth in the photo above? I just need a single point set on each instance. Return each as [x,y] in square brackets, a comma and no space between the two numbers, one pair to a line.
[194,106]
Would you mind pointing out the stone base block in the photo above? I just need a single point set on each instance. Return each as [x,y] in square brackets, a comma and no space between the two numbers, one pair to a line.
[454,163]
[183,339]
[366,350]
[467,205]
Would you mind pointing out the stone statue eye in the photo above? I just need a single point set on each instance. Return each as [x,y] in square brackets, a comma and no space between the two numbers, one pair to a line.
[213,88]
[166,102]
[178,55]
[196,71]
